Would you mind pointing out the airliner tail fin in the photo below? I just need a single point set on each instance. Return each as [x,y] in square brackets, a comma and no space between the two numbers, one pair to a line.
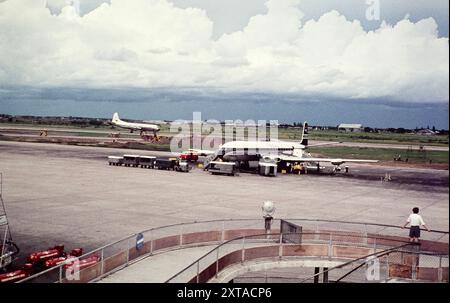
[305,134]
[115,117]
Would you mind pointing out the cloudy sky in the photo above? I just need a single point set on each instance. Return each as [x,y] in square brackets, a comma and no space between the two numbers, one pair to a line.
[380,63]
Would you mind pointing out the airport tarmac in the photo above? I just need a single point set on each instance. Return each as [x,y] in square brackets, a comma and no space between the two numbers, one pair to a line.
[69,194]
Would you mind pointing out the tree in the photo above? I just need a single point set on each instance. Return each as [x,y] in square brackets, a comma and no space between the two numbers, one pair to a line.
[95,122]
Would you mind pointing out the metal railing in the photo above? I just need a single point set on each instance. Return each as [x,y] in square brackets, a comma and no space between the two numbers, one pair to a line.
[121,253]
[404,262]
[386,266]
[319,248]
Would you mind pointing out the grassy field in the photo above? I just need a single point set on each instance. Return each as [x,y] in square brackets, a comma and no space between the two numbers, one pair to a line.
[54,126]
[283,133]
[150,146]
[386,138]
[93,134]
[104,128]
[383,154]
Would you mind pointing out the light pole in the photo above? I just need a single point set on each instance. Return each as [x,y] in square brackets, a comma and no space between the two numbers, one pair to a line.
[268,210]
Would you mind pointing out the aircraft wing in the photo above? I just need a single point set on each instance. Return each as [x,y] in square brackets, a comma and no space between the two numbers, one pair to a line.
[334,161]
[156,122]
[324,143]
[201,152]
[338,161]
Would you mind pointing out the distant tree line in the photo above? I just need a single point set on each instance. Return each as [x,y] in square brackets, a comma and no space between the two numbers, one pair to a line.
[67,121]
[98,122]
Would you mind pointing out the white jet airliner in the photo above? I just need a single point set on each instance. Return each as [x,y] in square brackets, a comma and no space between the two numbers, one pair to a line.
[276,151]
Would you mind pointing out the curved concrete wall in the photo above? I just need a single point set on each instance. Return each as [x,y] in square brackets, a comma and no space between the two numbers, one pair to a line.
[359,240]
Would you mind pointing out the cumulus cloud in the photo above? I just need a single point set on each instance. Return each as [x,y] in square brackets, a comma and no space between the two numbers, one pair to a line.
[153,44]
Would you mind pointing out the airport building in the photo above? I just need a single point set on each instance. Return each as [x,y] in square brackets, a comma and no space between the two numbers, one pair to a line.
[351,128]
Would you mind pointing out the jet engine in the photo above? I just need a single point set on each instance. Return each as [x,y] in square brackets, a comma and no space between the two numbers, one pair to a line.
[271,159]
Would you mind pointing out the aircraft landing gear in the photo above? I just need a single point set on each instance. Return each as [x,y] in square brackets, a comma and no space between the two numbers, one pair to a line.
[336,169]
[155,136]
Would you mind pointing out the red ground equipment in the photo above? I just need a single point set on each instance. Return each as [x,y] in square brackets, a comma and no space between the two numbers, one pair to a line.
[37,258]
[52,257]
[190,157]
[82,264]
[74,254]
[17,275]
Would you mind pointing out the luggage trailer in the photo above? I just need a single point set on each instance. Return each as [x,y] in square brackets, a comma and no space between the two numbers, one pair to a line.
[116,161]
[147,161]
[131,160]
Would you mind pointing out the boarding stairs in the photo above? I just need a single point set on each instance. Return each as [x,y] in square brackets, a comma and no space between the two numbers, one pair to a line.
[208,160]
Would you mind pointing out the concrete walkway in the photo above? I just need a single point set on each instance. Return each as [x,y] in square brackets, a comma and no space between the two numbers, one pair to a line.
[158,268]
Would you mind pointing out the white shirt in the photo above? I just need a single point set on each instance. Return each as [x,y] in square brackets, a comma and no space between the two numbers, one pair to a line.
[415,220]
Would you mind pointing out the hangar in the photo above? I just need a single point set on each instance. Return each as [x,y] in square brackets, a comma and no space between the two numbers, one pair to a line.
[353,128]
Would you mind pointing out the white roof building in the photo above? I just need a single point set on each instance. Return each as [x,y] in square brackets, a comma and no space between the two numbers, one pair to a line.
[345,125]
[426,132]
[350,127]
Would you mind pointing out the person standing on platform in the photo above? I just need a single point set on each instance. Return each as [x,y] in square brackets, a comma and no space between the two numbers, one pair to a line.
[415,221]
